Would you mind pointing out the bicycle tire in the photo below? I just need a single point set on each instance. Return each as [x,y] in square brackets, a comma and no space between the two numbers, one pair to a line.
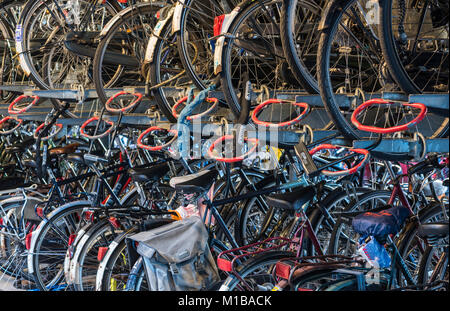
[147,9]
[154,74]
[405,243]
[390,51]
[424,267]
[330,23]
[39,237]
[384,195]
[296,64]
[267,258]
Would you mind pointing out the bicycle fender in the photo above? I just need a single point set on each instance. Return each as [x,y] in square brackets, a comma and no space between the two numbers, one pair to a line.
[18,37]
[176,21]
[112,246]
[120,14]
[74,264]
[20,49]
[228,19]
[69,255]
[331,13]
[149,53]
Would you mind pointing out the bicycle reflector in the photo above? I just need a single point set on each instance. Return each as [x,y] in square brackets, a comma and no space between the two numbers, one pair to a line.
[374,129]
[151,129]
[28,238]
[348,171]
[101,253]
[136,101]
[93,119]
[6,120]
[304,106]
[214,102]
[224,138]
[12,109]
[59,127]
[218,22]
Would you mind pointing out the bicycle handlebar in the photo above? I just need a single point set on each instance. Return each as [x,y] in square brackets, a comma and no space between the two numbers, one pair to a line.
[431,162]
[53,119]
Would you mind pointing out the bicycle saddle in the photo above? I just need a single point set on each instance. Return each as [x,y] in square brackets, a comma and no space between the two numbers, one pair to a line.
[197,182]
[85,158]
[63,150]
[152,173]
[20,147]
[381,224]
[294,200]
[433,230]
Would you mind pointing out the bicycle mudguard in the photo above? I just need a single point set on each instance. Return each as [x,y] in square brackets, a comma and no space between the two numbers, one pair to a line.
[226,23]
[150,51]
[331,13]
[72,277]
[220,42]
[176,21]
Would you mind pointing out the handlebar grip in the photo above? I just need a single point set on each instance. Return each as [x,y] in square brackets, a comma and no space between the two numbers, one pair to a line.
[93,158]
[428,164]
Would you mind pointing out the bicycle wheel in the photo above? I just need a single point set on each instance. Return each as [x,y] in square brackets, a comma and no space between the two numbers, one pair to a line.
[120,54]
[253,45]
[335,202]
[256,220]
[13,263]
[137,280]
[257,272]
[433,270]
[56,49]
[115,267]
[50,241]
[351,62]
[84,265]
[411,247]
[300,38]
[240,186]
[10,72]
[44,38]
[166,72]
[414,40]
[196,28]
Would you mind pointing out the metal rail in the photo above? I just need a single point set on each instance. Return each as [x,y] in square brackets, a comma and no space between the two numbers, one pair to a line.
[316,120]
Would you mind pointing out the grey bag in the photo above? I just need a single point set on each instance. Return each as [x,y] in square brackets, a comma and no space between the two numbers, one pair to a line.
[177,256]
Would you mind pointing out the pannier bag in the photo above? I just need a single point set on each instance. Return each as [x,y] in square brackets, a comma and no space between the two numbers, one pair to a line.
[177,256]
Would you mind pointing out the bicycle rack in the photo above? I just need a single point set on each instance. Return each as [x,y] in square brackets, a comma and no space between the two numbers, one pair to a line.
[316,119]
